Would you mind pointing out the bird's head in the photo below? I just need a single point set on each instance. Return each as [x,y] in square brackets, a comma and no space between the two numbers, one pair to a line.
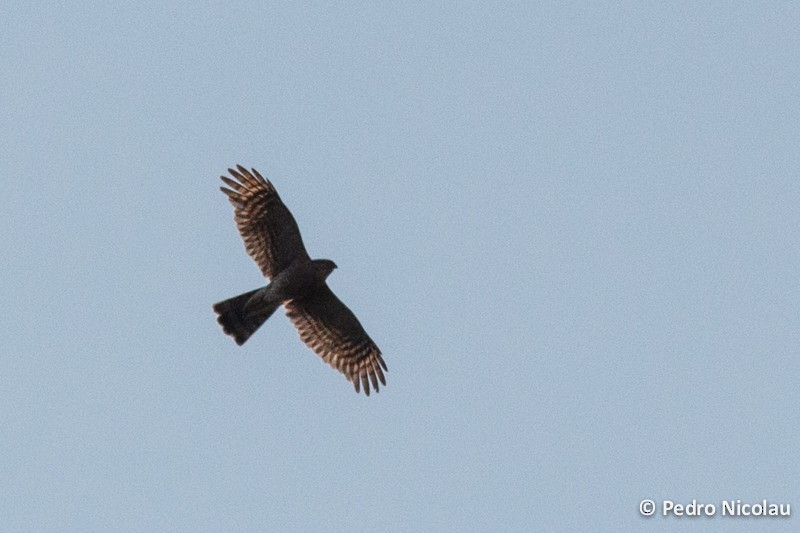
[324,267]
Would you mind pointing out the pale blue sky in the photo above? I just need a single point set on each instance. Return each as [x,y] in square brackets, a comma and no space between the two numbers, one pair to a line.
[572,230]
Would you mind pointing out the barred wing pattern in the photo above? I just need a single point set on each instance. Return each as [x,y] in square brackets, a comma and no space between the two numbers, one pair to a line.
[329,328]
[268,229]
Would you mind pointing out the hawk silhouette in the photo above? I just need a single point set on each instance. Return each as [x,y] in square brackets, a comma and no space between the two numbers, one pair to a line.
[297,282]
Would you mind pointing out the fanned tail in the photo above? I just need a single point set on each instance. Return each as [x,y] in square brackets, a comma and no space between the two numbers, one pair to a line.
[240,320]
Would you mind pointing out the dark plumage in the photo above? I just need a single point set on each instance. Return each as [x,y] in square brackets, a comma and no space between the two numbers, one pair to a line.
[273,240]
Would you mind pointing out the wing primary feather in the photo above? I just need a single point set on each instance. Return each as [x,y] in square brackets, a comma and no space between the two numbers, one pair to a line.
[379,372]
[261,178]
[372,375]
[235,174]
[234,184]
[247,177]
[364,379]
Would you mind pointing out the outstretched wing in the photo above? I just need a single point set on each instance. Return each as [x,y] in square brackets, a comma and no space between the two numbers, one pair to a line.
[329,328]
[268,229]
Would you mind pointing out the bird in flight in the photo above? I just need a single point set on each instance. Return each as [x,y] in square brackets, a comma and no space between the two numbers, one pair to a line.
[272,238]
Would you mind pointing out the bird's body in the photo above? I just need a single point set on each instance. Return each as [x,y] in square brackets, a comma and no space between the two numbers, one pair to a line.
[326,325]
[300,278]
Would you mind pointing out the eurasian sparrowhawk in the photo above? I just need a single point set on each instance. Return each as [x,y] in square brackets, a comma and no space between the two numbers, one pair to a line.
[297,282]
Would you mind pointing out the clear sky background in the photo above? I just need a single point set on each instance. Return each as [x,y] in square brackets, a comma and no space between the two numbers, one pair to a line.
[573,231]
